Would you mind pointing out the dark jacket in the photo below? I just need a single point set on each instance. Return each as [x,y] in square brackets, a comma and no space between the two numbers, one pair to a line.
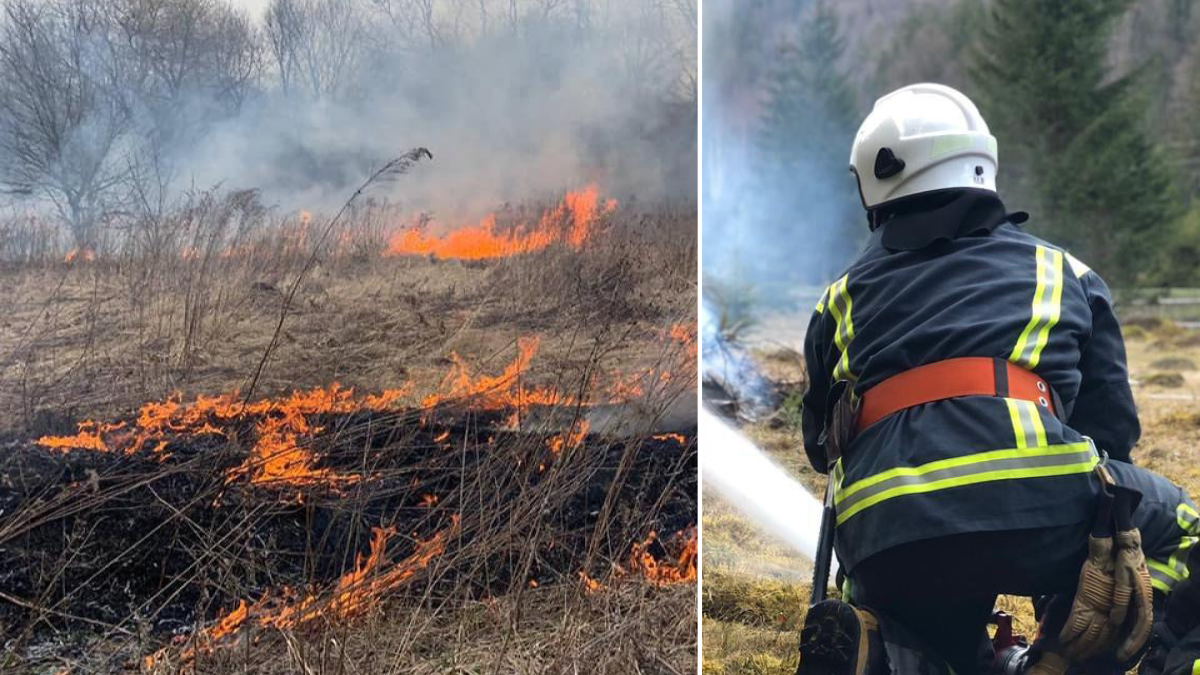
[974,463]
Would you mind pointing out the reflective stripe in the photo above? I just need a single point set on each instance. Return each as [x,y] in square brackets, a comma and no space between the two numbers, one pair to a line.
[1189,520]
[1196,667]
[1047,305]
[821,302]
[1077,266]
[840,305]
[1160,579]
[1038,462]
[1174,568]
[1027,423]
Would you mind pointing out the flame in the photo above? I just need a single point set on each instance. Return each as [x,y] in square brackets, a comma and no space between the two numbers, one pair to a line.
[282,426]
[678,438]
[429,500]
[573,438]
[494,392]
[680,567]
[83,254]
[590,585]
[570,222]
[355,593]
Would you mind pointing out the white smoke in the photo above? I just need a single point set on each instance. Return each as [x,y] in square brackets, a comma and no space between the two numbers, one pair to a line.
[514,111]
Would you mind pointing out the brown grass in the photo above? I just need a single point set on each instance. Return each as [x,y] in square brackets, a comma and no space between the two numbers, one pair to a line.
[190,304]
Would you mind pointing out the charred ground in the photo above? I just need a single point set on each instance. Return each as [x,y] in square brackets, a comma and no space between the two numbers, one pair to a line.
[455,480]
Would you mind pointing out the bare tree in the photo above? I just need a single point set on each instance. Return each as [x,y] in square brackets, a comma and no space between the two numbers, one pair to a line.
[195,60]
[63,111]
[315,44]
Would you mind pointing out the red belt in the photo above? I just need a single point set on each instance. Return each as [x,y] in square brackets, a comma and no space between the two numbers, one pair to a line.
[952,378]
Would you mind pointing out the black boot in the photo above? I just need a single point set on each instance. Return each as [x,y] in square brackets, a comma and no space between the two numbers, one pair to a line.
[838,639]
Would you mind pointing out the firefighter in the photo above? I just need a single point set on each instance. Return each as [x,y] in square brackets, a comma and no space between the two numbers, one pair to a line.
[969,398]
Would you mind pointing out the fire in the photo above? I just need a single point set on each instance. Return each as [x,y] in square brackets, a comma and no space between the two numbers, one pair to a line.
[680,567]
[282,426]
[678,438]
[573,438]
[82,254]
[570,222]
[590,585]
[355,593]
[494,392]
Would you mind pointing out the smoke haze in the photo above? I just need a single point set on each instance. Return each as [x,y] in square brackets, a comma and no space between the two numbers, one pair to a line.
[517,99]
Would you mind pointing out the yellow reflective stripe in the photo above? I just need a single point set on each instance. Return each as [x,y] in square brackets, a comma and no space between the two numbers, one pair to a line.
[986,477]
[841,305]
[965,460]
[1164,569]
[1055,309]
[995,465]
[1196,667]
[1035,415]
[1189,520]
[821,302]
[1018,428]
[1155,583]
[1046,308]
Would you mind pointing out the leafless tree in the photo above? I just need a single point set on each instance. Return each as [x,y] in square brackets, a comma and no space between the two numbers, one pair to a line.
[315,44]
[63,108]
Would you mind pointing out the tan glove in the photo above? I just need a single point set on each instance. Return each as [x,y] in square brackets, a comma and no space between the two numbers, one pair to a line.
[1132,594]
[1089,630]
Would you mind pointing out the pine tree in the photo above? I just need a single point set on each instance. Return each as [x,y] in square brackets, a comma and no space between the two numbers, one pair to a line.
[803,142]
[1074,137]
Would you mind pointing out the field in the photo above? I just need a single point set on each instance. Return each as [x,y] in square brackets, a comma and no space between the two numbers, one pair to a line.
[237,440]
[756,590]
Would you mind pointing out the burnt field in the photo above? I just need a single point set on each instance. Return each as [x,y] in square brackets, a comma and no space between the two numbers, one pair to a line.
[468,452]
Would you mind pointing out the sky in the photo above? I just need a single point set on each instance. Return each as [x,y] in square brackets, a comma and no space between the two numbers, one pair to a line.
[255,7]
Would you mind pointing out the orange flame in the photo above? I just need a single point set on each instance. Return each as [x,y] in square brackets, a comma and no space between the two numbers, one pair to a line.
[82,254]
[679,568]
[355,593]
[570,222]
[678,438]
[282,426]
[499,391]
[573,438]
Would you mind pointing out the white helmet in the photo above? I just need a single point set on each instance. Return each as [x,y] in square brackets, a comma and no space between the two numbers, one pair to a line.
[921,138]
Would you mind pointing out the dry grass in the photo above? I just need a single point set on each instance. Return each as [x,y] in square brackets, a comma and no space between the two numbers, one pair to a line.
[192,312]
[756,590]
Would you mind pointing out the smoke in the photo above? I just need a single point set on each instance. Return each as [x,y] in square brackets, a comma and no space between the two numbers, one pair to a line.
[730,371]
[780,207]
[762,491]
[514,107]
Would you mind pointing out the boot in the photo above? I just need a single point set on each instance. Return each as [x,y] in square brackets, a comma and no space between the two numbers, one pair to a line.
[839,639]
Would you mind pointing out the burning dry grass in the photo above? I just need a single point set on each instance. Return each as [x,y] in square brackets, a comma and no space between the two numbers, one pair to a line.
[481,490]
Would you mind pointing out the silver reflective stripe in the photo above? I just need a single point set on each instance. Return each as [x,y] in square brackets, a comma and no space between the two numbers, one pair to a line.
[1160,579]
[1020,465]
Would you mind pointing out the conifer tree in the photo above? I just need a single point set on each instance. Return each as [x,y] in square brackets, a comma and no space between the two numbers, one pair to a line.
[1072,137]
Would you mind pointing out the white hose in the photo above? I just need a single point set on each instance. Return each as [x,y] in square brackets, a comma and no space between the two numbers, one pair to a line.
[756,486]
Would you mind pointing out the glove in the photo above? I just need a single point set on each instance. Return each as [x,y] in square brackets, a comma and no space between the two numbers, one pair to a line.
[1132,595]
[1089,629]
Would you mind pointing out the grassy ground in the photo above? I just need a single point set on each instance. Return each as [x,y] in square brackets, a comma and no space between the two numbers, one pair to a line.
[96,339]
[756,590]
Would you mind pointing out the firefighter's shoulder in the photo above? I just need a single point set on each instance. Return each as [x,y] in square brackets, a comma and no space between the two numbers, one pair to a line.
[1079,268]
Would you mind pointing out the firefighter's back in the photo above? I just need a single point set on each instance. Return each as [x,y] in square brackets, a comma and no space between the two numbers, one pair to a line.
[966,464]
